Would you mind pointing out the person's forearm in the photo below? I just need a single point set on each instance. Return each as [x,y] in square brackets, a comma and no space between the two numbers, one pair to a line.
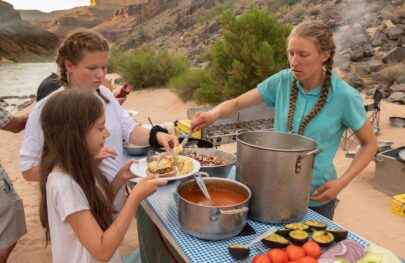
[16,124]
[117,184]
[361,160]
[113,236]
[226,109]
[32,174]
[139,136]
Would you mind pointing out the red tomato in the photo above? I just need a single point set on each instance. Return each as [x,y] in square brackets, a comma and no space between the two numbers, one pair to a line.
[262,258]
[277,256]
[312,249]
[307,259]
[294,252]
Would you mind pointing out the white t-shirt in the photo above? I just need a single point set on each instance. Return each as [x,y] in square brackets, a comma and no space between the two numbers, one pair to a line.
[63,198]
[118,122]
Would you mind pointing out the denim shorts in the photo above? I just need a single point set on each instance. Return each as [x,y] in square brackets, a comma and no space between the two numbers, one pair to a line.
[327,210]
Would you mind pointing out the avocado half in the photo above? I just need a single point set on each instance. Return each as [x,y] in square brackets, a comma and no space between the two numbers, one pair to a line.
[275,241]
[339,234]
[283,232]
[298,237]
[297,226]
[316,225]
[239,251]
[323,238]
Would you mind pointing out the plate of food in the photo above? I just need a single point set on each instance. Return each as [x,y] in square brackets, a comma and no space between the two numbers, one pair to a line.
[167,169]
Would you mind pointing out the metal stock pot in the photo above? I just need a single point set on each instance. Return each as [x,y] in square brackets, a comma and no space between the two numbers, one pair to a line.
[212,222]
[277,167]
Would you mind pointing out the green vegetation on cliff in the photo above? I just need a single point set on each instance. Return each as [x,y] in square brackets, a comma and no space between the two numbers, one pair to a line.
[253,48]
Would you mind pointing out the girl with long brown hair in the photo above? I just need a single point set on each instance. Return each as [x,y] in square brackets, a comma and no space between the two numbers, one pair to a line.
[82,60]
[311,100]
[76,207]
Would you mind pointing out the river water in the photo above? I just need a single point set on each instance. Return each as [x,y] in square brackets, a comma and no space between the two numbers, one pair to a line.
[18,79]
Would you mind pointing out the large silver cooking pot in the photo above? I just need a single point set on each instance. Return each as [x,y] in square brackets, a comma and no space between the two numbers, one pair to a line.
[277,167]
[212,222]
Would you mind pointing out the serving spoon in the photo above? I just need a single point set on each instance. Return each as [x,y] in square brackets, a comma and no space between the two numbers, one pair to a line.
[201,184]
[240,251]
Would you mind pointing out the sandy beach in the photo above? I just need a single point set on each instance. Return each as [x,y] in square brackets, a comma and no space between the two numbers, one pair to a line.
[362,209]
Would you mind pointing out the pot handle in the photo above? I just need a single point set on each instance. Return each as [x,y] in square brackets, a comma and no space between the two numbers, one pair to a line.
[234,211]
[239,131]
[302,156]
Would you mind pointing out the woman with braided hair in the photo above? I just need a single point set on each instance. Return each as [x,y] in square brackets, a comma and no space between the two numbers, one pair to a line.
[82,59]
[310,100]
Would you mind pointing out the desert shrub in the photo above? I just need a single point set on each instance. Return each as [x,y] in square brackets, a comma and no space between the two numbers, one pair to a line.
[277,4]
[217,10]
[186,83]
[314,11]
[329,12]
[253,48]
[147,66]
[298,11]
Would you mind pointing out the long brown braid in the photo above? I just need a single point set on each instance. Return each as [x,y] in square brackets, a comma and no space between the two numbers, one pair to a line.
[322,36]
[73,48]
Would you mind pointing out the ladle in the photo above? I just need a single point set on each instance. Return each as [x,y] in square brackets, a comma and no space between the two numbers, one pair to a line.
[239,251]
[200,182]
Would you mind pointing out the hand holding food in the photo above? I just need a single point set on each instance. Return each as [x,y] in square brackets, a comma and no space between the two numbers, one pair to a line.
[203,119]
[105,153]
[168,141]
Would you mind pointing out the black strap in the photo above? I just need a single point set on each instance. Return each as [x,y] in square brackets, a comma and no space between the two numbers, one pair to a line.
[152,135]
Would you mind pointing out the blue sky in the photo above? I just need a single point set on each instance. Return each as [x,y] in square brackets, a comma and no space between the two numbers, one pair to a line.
[47,5]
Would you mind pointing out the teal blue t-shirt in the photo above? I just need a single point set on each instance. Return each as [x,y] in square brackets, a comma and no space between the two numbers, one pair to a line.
[343,109]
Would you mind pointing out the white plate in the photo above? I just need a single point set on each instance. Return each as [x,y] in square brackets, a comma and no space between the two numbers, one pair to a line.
[139,169]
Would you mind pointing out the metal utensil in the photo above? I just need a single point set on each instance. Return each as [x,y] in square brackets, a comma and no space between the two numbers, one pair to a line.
[185,140]
[150,121]
[176,162]
[200,182]
[164,155]
[172,153]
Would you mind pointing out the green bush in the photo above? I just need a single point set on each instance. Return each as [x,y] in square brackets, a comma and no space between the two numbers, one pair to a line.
[253,48]
[186,83]
[145,67]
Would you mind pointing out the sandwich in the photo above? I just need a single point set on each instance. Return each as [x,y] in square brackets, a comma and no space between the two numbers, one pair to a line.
[166,168]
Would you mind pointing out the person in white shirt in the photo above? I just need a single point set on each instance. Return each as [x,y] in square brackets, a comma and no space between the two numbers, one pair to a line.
[82,60]
[76,207]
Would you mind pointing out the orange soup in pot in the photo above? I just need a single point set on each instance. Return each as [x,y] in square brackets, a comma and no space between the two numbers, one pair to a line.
[219,197]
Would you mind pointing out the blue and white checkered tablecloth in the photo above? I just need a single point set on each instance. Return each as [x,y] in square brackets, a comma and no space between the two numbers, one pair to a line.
[164,204]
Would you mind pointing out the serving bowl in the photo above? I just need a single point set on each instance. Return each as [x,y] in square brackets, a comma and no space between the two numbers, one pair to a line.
[135,150]
[214,170]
